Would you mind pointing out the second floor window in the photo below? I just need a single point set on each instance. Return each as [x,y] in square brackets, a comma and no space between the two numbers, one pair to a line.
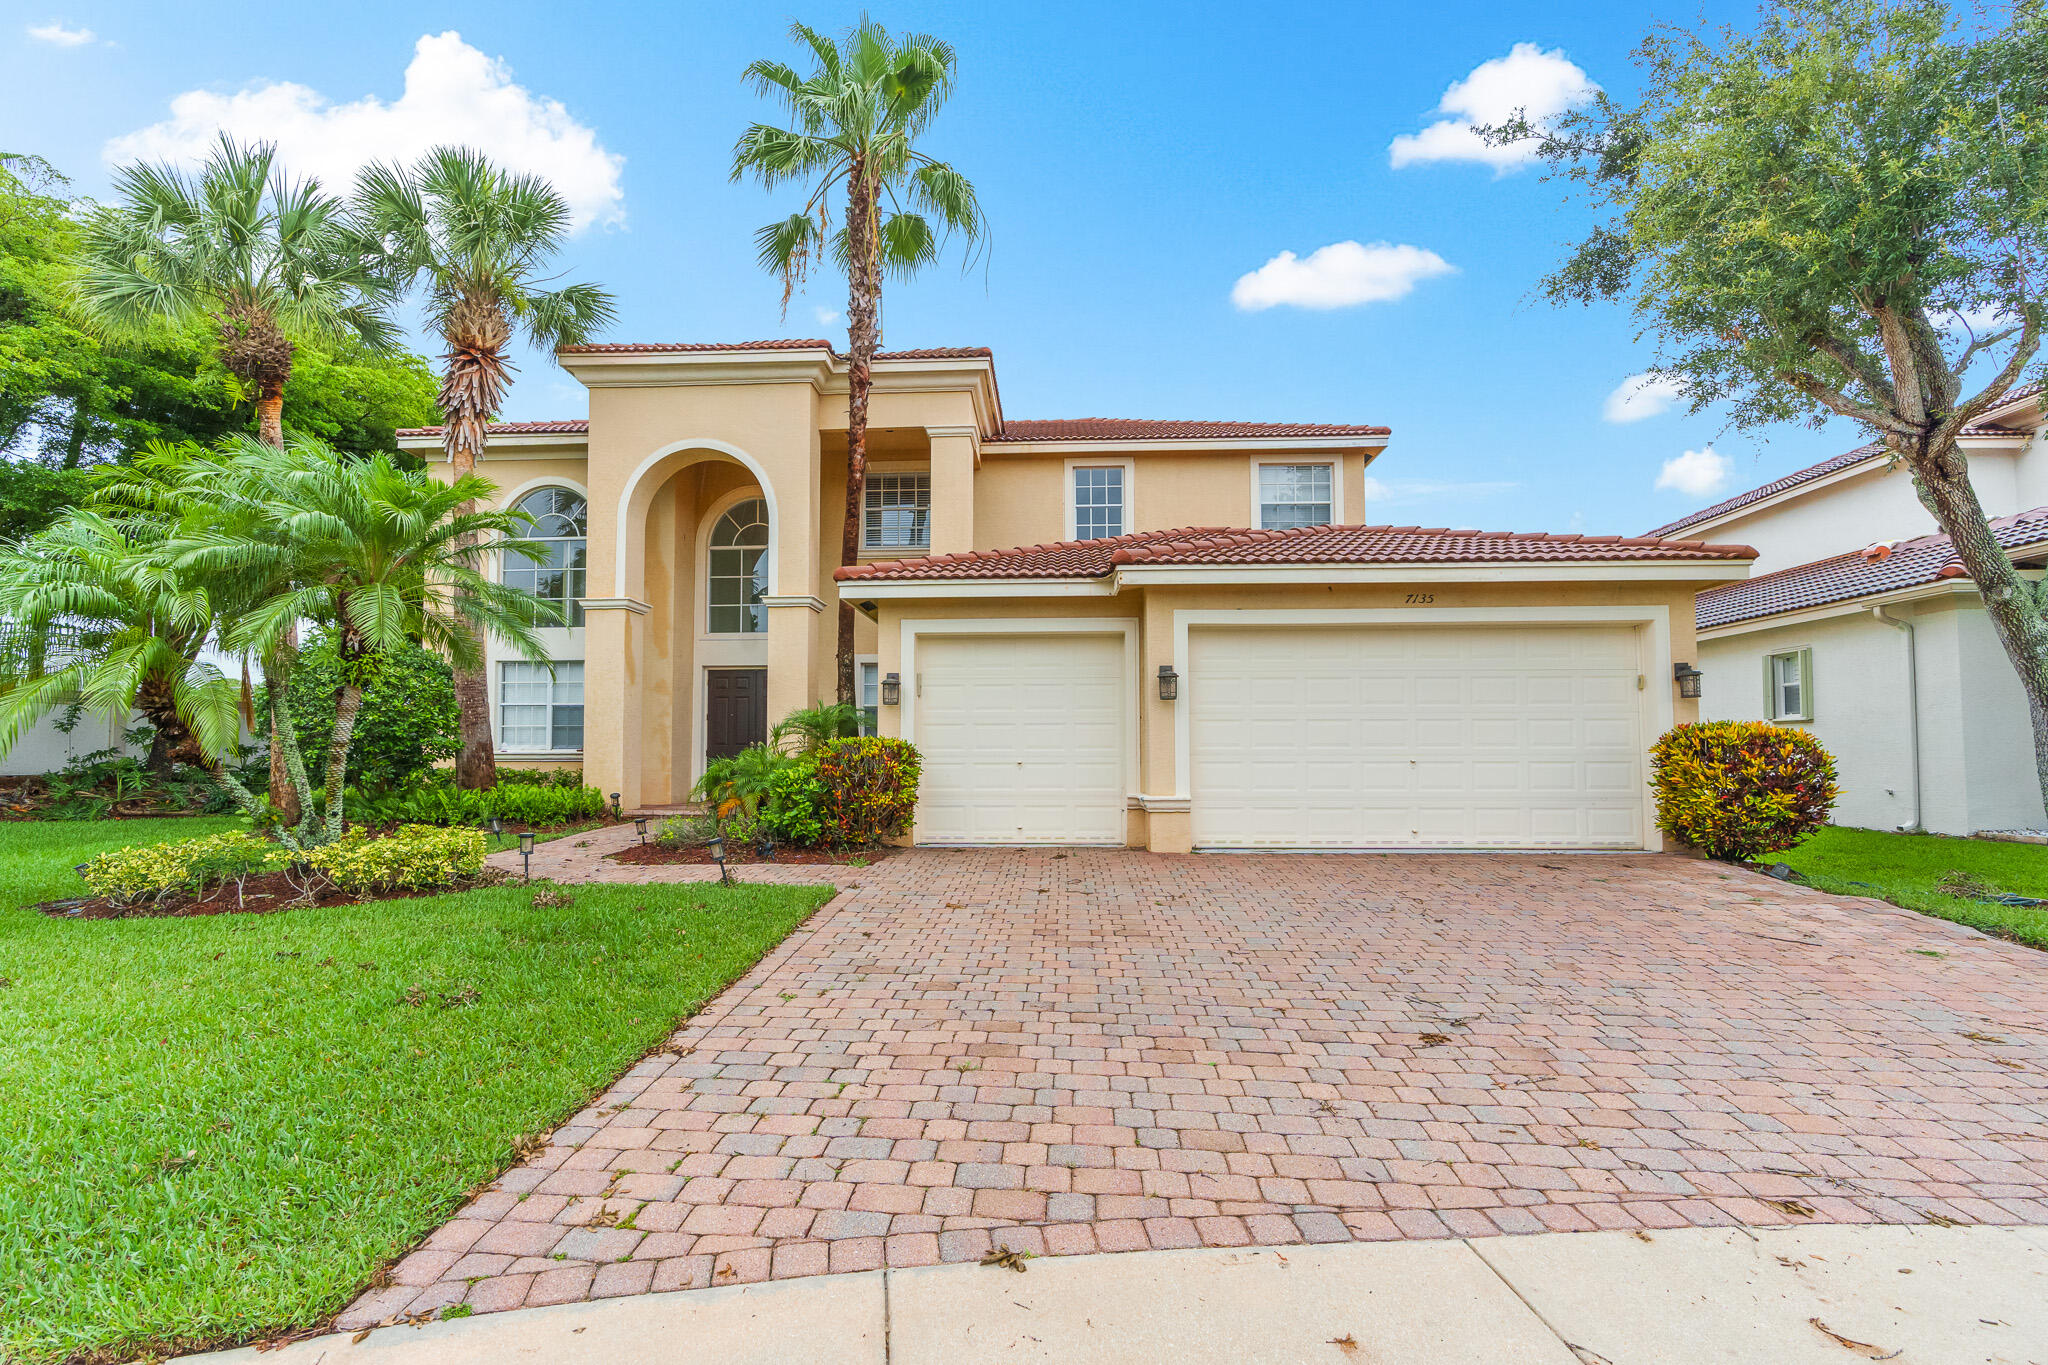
[1098,501]
[739,570]
[898,512]
[1292,495]
[560,524]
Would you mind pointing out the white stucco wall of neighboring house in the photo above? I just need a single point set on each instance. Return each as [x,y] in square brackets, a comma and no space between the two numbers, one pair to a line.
[45,748]
[1976,766]
[2030,474]
[1878,504]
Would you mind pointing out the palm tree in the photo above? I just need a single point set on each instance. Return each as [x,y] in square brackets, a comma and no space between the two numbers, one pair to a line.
[99,614]
[268,262]
[481,236]
[373,554]
[855,120]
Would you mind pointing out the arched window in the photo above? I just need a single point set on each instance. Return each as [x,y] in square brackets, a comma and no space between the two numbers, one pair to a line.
[561,523]
[739,570]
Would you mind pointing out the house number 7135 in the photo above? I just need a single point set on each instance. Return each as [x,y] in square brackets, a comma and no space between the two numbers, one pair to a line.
[1420,599]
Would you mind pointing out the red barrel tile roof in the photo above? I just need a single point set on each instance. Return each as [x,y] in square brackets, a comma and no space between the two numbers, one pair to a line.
[1144,428]
[1215,545]
[1843,578]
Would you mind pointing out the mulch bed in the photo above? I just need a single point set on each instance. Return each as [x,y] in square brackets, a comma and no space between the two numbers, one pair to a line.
[261,895]
[741,855]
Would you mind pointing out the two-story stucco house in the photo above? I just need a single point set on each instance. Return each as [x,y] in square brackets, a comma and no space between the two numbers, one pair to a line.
[1151,633]
[1859,624]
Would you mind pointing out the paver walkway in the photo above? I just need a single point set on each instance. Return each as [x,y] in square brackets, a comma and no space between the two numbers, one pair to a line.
[1071,1052]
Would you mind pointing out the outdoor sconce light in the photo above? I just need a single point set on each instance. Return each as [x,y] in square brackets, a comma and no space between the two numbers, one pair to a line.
[526,853]
[892,689]
[716,847]
[615,805]
[1169,683]
[1688,679]
[640,824]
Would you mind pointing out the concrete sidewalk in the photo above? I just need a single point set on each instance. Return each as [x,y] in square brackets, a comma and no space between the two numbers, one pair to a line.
[1829,1295]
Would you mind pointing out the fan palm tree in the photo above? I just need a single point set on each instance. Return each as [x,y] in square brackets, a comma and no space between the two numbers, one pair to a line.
[99,614]
[481,237]
[267,262]
[854,124]
[373,554]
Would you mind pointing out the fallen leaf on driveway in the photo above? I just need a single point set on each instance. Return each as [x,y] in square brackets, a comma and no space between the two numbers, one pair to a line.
[1347,1343]
[1006,1258]
[1861,1348]
[1791,1206]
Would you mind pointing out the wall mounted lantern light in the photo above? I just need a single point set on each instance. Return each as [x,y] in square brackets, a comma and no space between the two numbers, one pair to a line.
[1169,683]
[1688,679]
[892,689]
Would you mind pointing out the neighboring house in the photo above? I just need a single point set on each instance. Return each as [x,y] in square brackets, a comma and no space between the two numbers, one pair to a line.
[1860,625]
[1268,675]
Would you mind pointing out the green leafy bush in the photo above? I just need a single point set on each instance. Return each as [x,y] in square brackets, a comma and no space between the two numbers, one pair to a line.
[409,721]
[870,789]
[410,858]
[516,803]
[189,867]
[685,831]
[793,809]
[540,777]
[734,787]
[1738,789]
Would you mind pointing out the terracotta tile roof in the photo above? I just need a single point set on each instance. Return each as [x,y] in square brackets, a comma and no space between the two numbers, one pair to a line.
[1832,464]
[774,344]
[1843,578]
[1208,545]
[576,426]
[1142,428]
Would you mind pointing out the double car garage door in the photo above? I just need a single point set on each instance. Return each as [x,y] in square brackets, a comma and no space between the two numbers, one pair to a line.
[1298,737]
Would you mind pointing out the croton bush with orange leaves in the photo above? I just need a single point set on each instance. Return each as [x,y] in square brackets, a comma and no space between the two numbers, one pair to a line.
[1736,789]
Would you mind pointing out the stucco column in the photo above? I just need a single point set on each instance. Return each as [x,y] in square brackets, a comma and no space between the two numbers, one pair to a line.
[792,621]
[955,455]
[615,635]
[1163,786]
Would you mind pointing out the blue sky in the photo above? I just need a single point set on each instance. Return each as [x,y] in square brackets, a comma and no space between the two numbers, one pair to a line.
[1137,161]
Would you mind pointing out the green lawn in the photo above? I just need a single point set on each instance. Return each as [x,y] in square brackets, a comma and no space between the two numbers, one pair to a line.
[1903,868]
[218,1126]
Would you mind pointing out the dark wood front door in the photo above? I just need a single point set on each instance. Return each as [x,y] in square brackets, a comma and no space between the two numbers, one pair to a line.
[735,710]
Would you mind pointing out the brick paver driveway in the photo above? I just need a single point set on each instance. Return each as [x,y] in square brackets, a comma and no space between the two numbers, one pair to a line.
[1095,1051]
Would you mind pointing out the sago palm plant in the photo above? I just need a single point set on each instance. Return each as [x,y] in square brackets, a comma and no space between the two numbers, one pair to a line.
[855,121]
[482,239]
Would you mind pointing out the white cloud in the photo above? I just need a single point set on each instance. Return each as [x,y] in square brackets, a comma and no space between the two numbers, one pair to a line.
[1338,276]
[1695,473]
[1640,396]
[454,94]
[1979,320]
[58,35]
[1528,80]
[826,316]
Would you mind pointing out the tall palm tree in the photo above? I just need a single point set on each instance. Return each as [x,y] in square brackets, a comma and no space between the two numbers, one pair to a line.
[375,555]
[482,238]
[267,261]
[855,121]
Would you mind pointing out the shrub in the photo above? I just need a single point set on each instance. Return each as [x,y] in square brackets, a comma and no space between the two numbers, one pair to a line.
[541,777]
[685,831]
[517,803]
[793,809]
[409,721]
[811,728]
[1739,789]
[734,786]
[870,789]
[157,872]
[410,858]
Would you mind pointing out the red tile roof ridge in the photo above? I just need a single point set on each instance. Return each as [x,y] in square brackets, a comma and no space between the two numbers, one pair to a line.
[768,344]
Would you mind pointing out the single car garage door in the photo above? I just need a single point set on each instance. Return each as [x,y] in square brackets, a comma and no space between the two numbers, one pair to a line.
[1444,737]
[1022,738]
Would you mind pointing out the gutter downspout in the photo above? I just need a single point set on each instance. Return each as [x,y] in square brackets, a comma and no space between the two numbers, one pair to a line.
[1912,704]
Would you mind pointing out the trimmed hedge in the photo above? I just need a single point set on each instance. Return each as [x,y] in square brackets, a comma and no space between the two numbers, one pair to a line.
[408,859]
[156,872]
[516,803]
[1738,789]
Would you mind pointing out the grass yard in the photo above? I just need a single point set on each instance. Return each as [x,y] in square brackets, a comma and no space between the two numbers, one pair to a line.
[1903,869]
[219,1126]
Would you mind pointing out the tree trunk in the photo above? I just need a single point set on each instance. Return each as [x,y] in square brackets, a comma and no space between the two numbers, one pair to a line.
[270,413]
[270,430]
[348,704]
[2013,604]
[472,388]
[863,294]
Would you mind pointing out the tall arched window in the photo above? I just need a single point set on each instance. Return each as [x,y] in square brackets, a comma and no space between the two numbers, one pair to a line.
[561,525]
[739,570]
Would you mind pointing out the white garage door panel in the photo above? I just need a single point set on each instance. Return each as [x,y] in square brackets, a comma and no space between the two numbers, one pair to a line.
[1022,738]
[1369,736]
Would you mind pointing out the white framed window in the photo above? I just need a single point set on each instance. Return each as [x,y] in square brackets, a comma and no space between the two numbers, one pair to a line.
[1788,684]
[867,683]
[561,524]
[897,512]
[1290,495]
[1098,499]
[737,574]
[538,713]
